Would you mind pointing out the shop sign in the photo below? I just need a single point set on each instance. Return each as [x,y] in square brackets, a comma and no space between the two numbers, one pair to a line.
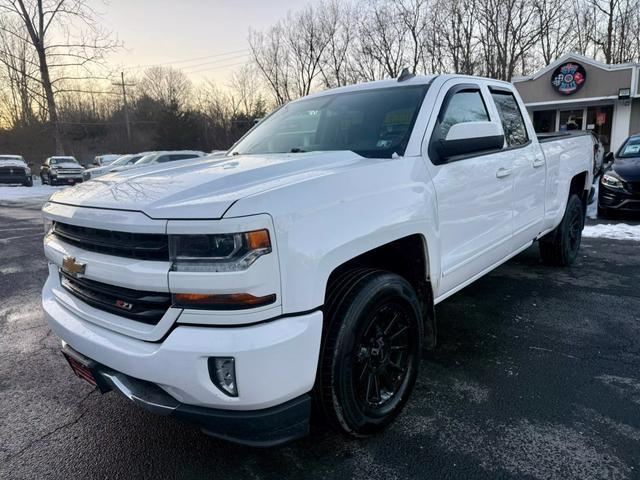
[568,78]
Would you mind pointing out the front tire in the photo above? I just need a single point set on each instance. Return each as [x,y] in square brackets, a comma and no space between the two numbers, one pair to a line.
[42,179]
[28,182]
[560,247]
[371,352]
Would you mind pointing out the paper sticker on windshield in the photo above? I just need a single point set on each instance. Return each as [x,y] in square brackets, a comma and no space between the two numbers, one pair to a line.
[631,149]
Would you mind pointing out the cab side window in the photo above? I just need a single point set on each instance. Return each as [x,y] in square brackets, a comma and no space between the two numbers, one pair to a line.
[464,106]
[182,156]
[515,131]
[163,159]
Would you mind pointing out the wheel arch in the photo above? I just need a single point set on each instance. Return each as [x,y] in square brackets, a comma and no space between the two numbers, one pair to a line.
[408,257]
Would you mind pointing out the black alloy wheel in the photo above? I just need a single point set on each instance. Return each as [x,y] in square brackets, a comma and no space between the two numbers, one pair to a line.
[370,353]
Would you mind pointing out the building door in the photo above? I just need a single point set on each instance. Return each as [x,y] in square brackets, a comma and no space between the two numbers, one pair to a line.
[600,119]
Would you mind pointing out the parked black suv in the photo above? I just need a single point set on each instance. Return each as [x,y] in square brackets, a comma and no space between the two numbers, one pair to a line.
[13,169]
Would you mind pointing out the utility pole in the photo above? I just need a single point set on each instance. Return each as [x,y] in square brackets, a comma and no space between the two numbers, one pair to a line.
[126,107]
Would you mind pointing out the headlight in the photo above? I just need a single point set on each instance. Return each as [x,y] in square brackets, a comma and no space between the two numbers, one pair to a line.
[611,181]
[48,225]
[230,252]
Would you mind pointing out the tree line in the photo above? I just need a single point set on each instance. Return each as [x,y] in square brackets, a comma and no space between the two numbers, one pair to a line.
[335,42]
[58,92]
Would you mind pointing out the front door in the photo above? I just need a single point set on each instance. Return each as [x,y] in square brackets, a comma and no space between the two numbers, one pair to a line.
[474,196]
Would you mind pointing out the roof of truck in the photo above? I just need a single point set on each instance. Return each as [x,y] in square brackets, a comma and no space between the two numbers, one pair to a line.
[393,82]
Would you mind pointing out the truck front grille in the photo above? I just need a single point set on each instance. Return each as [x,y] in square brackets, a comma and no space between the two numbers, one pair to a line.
[141,246]
[12,172]
[145,307]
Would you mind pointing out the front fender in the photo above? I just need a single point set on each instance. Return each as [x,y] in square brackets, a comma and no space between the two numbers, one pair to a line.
[323,222]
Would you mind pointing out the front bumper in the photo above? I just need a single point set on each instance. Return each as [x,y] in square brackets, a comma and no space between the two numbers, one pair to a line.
[275,360]
[263,428]
[619,199]
[66,178]
[15,178]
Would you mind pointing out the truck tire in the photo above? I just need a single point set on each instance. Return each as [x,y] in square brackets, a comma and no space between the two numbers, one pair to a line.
[560,247]
[370,355]
[42,179]
[28,182]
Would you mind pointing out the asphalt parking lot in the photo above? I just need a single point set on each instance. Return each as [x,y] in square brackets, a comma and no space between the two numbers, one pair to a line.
[537,375]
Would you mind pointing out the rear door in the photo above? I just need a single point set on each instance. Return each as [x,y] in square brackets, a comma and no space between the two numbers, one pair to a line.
[474,192]
[529,171]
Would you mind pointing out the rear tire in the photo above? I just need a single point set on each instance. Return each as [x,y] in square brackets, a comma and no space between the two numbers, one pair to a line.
[371,351]
[560,247]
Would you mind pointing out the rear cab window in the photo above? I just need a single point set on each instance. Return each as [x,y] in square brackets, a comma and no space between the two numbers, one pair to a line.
[515,129]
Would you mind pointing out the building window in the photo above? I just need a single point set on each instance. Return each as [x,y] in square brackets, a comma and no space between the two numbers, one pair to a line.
[571,120]
[544,121]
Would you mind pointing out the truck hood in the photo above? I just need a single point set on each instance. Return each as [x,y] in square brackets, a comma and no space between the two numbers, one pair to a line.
[67,165]
[12,163]
[203,189]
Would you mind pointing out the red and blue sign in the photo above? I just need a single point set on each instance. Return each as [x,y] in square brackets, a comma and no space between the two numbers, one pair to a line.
[568,78]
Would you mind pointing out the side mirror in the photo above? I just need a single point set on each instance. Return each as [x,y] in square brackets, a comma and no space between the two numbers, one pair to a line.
[471,137]
[608,159]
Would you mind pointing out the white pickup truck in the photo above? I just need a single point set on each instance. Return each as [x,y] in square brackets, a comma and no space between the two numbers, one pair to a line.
[303,266]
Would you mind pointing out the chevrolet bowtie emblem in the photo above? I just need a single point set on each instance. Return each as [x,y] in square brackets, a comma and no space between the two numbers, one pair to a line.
[70,265]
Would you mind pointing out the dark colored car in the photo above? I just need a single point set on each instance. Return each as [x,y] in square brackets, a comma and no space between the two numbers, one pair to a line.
[61,170]
[620,185]
[13,169]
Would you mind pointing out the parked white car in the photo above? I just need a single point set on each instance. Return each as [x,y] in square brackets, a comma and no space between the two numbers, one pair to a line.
[153,158]
[307,263]
[106,159]
[123,161]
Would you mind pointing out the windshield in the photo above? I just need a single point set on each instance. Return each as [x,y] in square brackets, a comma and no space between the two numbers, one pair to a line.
[59,160]
[146,159]
[631,148]
[123,160]
[372,123]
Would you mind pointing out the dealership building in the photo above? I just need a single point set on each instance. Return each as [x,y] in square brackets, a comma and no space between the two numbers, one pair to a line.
[579,93]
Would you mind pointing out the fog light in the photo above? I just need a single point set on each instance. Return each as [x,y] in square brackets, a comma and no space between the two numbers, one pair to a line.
[222,371]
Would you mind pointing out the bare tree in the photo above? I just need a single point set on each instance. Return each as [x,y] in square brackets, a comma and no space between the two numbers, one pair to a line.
[340,20]
[556,29]
[384,38]
[45,26]
[245,92]
[166,85]
[508,31]
[271,56]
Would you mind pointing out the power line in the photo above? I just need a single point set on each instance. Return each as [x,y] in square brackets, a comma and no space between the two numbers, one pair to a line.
[218,67]
[187,60]
[236,57]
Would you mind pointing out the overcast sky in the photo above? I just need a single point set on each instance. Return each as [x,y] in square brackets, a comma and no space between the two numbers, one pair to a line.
[162,31]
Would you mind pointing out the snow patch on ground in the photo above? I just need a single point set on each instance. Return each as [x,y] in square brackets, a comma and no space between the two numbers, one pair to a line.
[613,231]
[18,192]
[592,208]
